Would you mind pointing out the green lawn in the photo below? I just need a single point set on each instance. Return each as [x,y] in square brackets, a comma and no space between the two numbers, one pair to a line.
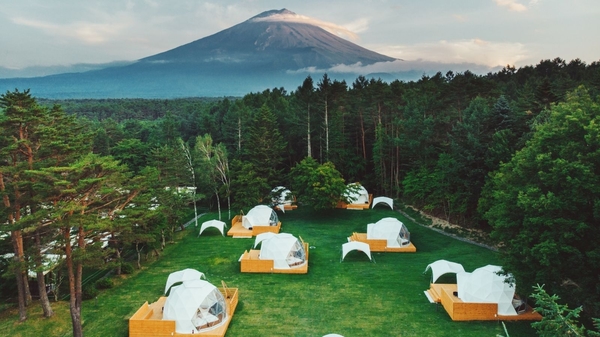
[353,298]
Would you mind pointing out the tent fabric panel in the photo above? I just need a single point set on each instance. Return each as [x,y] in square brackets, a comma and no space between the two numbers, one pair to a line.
[220,225]
[355,245]
[384,200]
[441,267]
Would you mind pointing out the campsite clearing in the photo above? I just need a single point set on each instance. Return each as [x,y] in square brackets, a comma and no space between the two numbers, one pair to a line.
[355,297]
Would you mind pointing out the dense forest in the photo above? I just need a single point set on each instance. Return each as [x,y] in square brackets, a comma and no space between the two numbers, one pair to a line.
[516,153]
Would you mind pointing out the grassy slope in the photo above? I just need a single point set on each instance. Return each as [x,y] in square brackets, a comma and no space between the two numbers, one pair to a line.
[353,298]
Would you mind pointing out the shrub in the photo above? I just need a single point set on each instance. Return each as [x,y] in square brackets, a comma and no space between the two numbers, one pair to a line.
[89,291]
[126,268]
[104,283]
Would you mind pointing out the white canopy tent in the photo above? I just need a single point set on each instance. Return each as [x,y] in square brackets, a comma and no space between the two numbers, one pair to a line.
[441,267]
[333,335]
[390,229]
[195,305]
[360,196]
[218,224]
[284,249]
[356,245]
[181,276]
[262,237]
[384,200]
[260,215]
[485,285]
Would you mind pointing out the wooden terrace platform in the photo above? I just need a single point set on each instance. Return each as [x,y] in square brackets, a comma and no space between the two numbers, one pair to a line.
[464,311]
[380,245]
[359,207]
[237,230]
[148,319]
[251,263]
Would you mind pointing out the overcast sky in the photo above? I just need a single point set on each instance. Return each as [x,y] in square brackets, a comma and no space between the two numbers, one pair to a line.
[485,32]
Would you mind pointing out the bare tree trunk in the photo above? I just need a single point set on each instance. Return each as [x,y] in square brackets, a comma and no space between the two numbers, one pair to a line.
[44,301]
[218,203]
[73,306]
[139,255]
[362,134]
[118,270]
[239,134]
[19,278]
[326,132]
[308,131]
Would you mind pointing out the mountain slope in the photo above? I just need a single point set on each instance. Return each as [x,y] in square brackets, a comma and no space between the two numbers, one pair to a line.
[266,51]
[282,43]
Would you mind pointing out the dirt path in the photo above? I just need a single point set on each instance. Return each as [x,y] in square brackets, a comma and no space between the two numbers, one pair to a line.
[470,235]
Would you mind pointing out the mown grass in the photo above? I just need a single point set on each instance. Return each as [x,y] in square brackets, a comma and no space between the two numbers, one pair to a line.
[355,297]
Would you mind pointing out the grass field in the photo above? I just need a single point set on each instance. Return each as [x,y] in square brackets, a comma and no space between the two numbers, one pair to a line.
[354,298]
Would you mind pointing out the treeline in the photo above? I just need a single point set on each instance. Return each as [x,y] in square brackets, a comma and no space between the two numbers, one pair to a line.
[432,142]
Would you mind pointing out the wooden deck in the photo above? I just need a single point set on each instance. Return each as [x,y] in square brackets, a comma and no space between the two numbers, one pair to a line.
[237,230]
[251,263]
[380,245]
[359,207]
[463,311]
[287,207]
[148,319]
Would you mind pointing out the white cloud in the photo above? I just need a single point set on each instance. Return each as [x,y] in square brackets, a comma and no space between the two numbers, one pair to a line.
[512,5]
[328,26]
[87,32]
[477,51]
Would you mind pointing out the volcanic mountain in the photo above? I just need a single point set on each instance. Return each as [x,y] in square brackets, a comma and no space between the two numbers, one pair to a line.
[272,49]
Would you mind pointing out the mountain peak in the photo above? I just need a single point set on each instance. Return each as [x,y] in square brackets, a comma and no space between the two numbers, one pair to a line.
[273,12]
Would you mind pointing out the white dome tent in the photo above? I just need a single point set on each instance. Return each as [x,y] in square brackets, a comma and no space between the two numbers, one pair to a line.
[282,198]
[195,305]
[441,267]
[260,215]
[390,229]
[284,249]
[485,285]
[183,275]
[360,195]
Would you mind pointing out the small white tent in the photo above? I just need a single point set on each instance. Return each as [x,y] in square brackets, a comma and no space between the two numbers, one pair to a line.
[356,245]
[359,196]
[195,305]
[284,249]
[218,224]
[441,267]
[485,285]
[390,229]
[383,200]
[183,275]
[260,215]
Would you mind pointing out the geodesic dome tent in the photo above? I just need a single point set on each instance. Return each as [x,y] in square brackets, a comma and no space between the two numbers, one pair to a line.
[195,305]
[359,196]
[260,215]
[441,267]
[284,249]
[485,285]
[390,229]
[281,196]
